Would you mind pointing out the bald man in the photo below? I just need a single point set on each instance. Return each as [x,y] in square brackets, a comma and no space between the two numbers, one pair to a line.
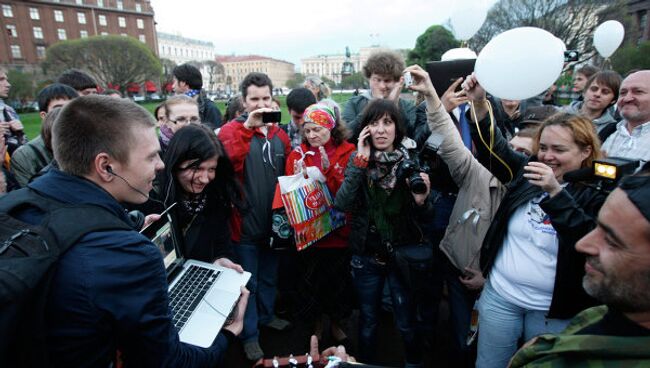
[632,136]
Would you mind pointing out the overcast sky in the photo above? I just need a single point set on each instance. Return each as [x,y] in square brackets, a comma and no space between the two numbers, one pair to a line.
[294,29]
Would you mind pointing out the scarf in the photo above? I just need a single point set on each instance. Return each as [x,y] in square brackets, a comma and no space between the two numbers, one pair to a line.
[192,92]
[166,134]
[384,170]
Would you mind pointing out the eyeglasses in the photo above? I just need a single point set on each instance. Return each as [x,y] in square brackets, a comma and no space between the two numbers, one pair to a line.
[184,120]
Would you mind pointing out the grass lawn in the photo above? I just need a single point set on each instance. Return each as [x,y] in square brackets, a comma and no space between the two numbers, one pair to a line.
[32,121]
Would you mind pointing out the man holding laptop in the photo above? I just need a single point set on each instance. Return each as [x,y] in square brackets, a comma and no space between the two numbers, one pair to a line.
[110,290]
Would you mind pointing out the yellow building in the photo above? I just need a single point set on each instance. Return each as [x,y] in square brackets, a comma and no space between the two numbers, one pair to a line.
[237,67]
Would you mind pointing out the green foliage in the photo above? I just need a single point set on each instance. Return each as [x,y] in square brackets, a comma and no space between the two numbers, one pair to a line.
[356,80]
[431,45]
[110,59]
[296,81]
[22,85]
[631,57]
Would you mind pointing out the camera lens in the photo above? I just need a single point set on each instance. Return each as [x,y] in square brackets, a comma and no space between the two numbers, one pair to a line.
[417,184]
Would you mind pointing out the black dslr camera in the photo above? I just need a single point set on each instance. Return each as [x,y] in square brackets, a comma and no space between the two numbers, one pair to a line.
[410,168]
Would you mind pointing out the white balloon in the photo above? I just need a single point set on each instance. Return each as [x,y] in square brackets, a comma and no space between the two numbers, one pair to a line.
[457,54]
[608,37]
[520,63]
[467,17]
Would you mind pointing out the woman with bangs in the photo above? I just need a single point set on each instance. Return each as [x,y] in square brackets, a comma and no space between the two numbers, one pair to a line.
[534,274]
[384,214]
[200,179]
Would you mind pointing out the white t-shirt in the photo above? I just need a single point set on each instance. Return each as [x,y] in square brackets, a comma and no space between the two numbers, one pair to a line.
[524,270]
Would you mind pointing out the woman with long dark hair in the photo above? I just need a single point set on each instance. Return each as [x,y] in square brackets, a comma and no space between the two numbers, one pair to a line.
[200,178]
[384,208]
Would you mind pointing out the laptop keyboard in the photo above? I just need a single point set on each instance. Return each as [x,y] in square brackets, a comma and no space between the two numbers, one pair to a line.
[186,294]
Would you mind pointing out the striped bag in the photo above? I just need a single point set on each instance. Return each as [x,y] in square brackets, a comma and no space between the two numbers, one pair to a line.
[308,203]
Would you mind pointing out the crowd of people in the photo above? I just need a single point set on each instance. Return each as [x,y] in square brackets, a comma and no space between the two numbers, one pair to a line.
[464,197]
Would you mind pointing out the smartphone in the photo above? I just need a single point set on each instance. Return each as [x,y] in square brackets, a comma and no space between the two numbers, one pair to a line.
[571,55]
[271,117]
[408,79]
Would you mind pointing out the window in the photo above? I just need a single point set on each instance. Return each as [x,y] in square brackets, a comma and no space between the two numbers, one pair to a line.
[83,33]
[100,3]
[38,33]
[61,33]
[58,16]
[15,52]
[81,17]
[7,11]
[142,38]
[34,14]
[104,33]
[138,7]
[80,2]
[102,20]
[140,23]
[120,5]
[11,30]
[121,21]
[40,52]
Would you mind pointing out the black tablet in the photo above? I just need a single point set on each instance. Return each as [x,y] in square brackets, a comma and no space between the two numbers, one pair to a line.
[444,73]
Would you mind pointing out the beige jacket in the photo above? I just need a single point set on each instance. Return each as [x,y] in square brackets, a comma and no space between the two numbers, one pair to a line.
[479,194]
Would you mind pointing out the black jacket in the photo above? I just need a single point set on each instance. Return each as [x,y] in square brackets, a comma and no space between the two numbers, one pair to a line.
[209,112]
[572,212]
[353,198]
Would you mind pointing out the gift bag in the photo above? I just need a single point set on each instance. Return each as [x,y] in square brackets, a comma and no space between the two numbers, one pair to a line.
[308,204]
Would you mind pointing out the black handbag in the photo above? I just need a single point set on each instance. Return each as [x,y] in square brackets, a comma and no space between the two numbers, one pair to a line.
[414,265]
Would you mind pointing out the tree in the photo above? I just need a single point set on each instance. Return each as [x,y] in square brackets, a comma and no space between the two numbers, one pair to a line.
[572,21]
[328,81]
[116,60]
[22,85]
[296,81]
[215,72]
[431,45]
[167,76]
[354,81]
[629,58]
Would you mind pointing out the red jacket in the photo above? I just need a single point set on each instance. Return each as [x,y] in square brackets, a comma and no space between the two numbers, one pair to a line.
[335,173]
[255,169]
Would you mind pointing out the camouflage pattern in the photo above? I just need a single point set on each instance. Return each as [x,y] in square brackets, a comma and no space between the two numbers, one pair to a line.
[568,349]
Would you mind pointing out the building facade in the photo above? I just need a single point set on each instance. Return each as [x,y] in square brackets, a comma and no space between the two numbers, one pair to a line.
[237,67]
[31,26]
[330,66]
[638,10]
[181,50]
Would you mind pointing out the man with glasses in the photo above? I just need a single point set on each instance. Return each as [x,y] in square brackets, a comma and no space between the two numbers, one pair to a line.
[384,73]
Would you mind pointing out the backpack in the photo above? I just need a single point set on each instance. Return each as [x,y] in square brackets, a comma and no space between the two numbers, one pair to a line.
[28,258]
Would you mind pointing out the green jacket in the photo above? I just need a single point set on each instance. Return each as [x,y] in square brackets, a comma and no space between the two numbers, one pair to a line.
[356,104]
[569,349]
[29,159]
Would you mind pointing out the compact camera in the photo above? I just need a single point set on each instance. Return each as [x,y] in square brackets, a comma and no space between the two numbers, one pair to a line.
[408,79]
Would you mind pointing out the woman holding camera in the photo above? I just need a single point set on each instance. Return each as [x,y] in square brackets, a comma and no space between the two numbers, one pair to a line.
[534,274]
[326,263]
[377,193]
[200,179]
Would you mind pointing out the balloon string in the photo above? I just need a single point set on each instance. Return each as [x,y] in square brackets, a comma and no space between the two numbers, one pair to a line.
[491,144]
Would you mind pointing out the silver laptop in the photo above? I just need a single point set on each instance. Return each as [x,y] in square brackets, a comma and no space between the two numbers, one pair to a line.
[201,295]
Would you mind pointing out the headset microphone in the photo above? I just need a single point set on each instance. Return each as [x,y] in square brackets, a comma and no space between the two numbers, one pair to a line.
[110,171]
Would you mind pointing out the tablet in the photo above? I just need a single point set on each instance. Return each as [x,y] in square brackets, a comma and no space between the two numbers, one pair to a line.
[444,73]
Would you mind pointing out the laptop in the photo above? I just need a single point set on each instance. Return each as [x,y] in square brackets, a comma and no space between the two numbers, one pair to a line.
[201,295]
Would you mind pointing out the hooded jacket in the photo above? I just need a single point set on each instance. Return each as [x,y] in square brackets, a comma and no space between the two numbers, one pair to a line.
[258,161]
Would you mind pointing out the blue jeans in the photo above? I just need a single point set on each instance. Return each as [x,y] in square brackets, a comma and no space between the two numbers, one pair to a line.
[502,324]
[262,263]
[368,277]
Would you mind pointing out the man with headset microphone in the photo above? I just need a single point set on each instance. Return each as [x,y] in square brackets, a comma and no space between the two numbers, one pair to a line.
[109,290]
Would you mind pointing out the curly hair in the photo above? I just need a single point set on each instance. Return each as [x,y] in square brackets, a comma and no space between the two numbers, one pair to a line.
[385,63]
